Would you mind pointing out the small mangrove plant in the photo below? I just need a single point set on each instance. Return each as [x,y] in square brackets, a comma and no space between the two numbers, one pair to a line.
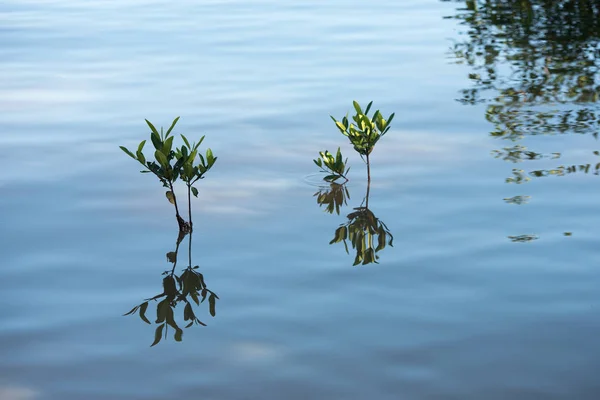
[365,131]
[170,164]
[334,167]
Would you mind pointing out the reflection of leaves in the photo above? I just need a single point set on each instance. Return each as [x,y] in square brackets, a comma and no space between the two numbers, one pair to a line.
[177,290]
[520,153]
[333,197]
[517,200]
[523,238]
[563,170]
[530,53]
[518,177]
[366,233]
[172,257]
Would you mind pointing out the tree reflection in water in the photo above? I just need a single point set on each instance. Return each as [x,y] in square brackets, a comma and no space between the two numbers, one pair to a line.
[535,65]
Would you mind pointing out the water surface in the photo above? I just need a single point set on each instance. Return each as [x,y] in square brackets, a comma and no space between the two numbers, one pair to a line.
[483,295]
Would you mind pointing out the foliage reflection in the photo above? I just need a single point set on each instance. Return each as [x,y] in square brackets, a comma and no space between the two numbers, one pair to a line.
[366,233]
[534,65]
[181,290]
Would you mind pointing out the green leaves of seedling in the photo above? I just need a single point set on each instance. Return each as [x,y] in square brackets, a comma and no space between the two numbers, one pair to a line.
[170,163]
[365,131]
[334,166]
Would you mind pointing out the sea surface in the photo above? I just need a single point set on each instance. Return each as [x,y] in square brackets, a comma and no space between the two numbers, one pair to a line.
[487,181]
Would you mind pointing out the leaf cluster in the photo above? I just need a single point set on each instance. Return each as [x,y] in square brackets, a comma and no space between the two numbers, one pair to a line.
[367,234]
[334,166]
[365,131]
[169,164]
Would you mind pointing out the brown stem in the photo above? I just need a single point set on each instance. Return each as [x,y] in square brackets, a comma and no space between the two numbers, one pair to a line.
[180,221]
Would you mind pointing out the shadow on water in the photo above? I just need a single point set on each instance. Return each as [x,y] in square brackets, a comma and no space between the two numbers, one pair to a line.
[535,65]
[367,234]
[181,290]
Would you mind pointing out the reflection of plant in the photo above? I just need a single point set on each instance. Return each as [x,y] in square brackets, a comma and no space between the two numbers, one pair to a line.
[365,132]
[170,164]
[363,230]
[523,238]
[334,166]
[178,290]
[334,197]
[367,234]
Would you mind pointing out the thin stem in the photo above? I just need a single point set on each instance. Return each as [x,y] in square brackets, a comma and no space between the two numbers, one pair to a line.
[180,221]
[368,169]
[190,206]
[367,196]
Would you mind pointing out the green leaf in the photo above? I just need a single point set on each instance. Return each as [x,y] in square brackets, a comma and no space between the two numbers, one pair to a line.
[166,149]
[141,146]
[357,107]
[158,335]
[156,141]
[140,157]
[161,158]
[172,125]
[143,308]
[187,143]
[211,302]
[389,120]
[194,191]
[368,107]
[209,155]
[152,128]
[129,153]
[170,197]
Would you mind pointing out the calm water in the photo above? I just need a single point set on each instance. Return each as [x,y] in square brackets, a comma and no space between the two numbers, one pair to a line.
[484,294]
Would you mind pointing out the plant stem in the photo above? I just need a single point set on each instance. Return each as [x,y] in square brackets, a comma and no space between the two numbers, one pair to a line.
[368,169]
[180,220]
[367,196]
[190,206]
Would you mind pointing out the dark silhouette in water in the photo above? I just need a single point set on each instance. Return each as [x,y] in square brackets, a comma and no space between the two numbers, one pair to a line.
[178,290]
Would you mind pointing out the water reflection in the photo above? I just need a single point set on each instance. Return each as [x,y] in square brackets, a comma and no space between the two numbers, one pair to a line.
[535,64]
[181,290]
[366,233]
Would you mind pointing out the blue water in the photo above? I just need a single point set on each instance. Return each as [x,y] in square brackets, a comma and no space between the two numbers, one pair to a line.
[454,310]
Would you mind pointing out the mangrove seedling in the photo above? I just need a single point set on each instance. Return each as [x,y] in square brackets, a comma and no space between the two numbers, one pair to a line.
[335,167]
[165,167]
[190,172]
[365,131]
